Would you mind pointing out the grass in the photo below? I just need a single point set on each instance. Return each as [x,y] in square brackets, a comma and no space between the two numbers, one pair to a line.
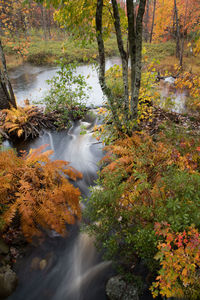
[165,54]
[41,52]
[159,51]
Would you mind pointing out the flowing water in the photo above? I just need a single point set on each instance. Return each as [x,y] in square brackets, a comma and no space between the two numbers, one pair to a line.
[67,268]
[70,268]
[60,268]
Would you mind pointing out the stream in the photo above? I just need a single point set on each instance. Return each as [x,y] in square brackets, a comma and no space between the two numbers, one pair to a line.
[70,268]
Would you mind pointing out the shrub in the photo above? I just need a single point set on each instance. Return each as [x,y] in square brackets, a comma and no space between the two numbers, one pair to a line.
[34,188]
[191,83]
[180,262]
[67,95]
[143,182]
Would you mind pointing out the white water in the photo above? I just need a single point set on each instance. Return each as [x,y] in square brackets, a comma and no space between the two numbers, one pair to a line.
[73,268]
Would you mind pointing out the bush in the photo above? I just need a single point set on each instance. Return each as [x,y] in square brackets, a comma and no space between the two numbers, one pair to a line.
[180,262]
[143,182]
[35,189]
[68,94]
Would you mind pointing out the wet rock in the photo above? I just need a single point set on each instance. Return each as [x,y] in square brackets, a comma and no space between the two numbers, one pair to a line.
[43,264]
[35,263]
[4,249]
[118,289]
[8,281]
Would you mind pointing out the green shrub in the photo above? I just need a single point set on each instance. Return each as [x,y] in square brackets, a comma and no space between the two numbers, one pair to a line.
[144,182]
[67,95]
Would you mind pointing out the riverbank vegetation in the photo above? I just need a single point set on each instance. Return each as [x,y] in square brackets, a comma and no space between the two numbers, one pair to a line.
[47,52]
[146,204]
[35,194]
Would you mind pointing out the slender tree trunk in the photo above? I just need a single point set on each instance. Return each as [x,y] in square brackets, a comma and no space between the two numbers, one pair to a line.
[4,96]
[177,31]
[132,45]
[146,22]
[153,20]
[5,81]
[135,29]
[101,50]
[49,22]
[182,42]
[44,20]
[138,59]
[123,55]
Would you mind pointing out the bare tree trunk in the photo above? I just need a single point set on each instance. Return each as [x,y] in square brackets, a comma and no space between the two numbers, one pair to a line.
[146,22]
[49,23]
[182,42]
[153,20]
[44,20]
[101,50]
[5,81]
[123,55]
[4,99]
[132,44]
[135,29]
[138,57]
[177,31]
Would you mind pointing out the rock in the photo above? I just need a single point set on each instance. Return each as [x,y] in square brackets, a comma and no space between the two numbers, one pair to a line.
[43,264]
[4,249]
[118,289]
[8,281]
[35,263]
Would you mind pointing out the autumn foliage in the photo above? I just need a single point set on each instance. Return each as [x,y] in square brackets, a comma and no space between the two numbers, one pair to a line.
[147,181]
[24,122]
[190,83]
[179,257]
[35,189]
[164,18]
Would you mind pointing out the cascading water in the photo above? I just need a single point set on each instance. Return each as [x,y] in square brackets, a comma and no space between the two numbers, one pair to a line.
[70,268]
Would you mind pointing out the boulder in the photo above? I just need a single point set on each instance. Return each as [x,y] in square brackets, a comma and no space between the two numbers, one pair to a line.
[35,263]
[118,289]
[43,264]
[8,281]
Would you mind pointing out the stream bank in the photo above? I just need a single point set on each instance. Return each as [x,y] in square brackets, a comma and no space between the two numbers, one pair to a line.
[45,263]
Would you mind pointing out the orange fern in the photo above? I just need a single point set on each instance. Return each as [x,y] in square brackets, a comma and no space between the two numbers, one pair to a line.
[37,189]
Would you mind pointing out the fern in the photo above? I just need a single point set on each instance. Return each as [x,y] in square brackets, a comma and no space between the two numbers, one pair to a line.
[37,189]
[24,122]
